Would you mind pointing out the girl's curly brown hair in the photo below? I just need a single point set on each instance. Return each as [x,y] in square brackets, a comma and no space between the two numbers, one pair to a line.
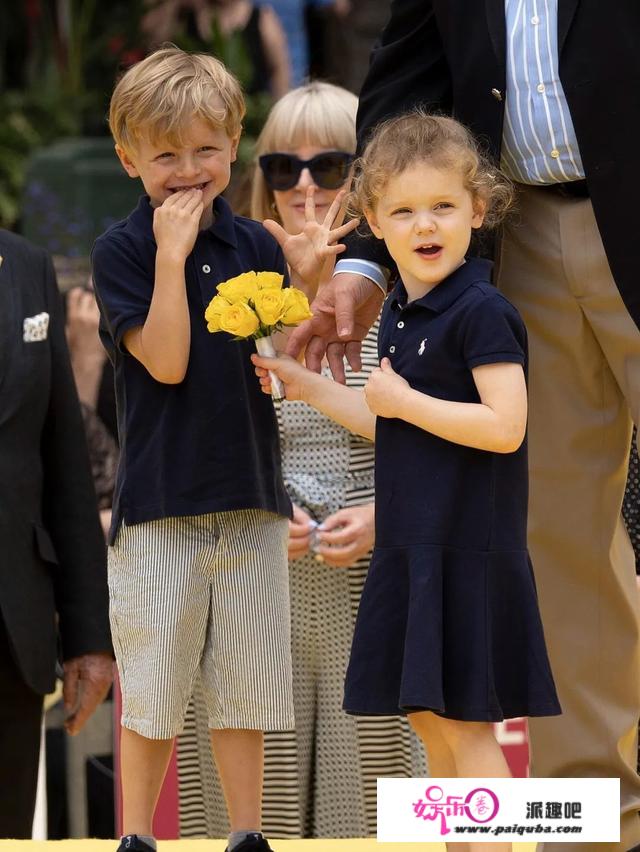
[419,136]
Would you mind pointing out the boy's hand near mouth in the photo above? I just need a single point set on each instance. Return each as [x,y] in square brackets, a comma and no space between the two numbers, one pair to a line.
[176,223]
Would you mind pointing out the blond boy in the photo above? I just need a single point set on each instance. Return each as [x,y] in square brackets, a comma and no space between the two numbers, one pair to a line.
[198,543]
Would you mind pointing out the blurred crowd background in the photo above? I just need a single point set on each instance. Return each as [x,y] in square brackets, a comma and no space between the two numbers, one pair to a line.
[60,184]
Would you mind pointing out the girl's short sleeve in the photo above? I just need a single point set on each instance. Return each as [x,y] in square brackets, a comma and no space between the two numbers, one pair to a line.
[494,333]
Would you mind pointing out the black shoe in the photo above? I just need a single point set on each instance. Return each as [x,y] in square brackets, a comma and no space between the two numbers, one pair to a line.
[252,843]
[132,843]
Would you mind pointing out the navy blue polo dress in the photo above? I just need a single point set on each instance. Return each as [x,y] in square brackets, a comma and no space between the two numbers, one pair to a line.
[449,619]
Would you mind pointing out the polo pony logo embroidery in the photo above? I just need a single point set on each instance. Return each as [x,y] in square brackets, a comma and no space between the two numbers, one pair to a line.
[423,344]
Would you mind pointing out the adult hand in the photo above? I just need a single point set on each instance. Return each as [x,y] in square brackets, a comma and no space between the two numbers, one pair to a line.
[83,319]
[87,352]
[341,7]
[347,535]
[344,311]
[299,533]
[87,680]
[386,391]
[307,253]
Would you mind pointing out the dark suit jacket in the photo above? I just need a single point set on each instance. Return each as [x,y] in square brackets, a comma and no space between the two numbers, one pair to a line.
[450,54]
[52,551]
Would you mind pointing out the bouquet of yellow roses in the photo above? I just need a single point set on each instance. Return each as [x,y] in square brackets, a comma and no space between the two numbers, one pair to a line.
[254,305]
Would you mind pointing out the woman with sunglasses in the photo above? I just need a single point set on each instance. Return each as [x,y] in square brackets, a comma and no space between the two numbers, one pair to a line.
[320,780]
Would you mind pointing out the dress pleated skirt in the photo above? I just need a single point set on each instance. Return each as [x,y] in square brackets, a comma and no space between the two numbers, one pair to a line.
[454,631]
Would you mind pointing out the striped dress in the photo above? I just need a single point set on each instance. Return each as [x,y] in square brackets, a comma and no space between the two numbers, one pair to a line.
[320,780]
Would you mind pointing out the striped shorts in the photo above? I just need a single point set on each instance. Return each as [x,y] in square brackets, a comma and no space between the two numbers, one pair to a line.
[204,593]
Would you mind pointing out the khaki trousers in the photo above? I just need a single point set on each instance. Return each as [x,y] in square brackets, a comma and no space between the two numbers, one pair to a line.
[584,387]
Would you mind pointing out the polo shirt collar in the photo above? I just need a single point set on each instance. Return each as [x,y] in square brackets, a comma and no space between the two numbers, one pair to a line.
[223,226]
[446,293]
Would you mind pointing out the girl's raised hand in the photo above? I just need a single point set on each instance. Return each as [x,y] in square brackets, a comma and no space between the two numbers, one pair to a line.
[386,391]
[307,252]
[293,375]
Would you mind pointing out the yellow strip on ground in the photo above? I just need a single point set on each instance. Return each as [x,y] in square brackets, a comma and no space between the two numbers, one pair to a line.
[370,845]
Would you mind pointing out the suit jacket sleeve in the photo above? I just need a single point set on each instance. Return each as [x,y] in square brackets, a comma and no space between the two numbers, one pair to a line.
[408,68]
[69,503]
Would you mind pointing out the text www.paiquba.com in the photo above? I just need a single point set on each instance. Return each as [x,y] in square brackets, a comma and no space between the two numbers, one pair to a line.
[518,829]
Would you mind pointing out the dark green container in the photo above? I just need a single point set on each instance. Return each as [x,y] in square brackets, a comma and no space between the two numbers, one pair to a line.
[74,190]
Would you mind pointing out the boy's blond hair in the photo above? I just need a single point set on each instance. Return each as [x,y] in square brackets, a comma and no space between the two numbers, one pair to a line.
[317,114]
[158,98]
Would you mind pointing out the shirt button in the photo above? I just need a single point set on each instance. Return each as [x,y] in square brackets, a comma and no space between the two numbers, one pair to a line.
[206,268]
[392,349]
[540,87]
[400,324]
[555,153]
[535,20]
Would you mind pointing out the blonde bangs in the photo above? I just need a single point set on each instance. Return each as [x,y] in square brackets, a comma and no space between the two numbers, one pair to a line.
[316,115]
[170,118]
[306,125]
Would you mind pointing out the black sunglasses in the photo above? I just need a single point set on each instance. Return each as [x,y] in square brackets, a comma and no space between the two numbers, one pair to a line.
[328,170]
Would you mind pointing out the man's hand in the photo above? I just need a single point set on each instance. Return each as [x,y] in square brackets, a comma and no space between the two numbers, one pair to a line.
[86,683]
[386,391]
[344,311]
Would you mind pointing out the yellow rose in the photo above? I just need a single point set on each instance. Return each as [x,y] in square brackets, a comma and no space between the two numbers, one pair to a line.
[239,320]
[269,280]
[296,307]
[239,289]
[269,305]
[212,314]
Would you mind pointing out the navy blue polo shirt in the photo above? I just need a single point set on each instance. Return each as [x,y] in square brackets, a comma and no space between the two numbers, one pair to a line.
[209,443]
[429,490]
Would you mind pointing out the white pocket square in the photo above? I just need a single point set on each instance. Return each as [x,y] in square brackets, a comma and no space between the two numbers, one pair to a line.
[35,328]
